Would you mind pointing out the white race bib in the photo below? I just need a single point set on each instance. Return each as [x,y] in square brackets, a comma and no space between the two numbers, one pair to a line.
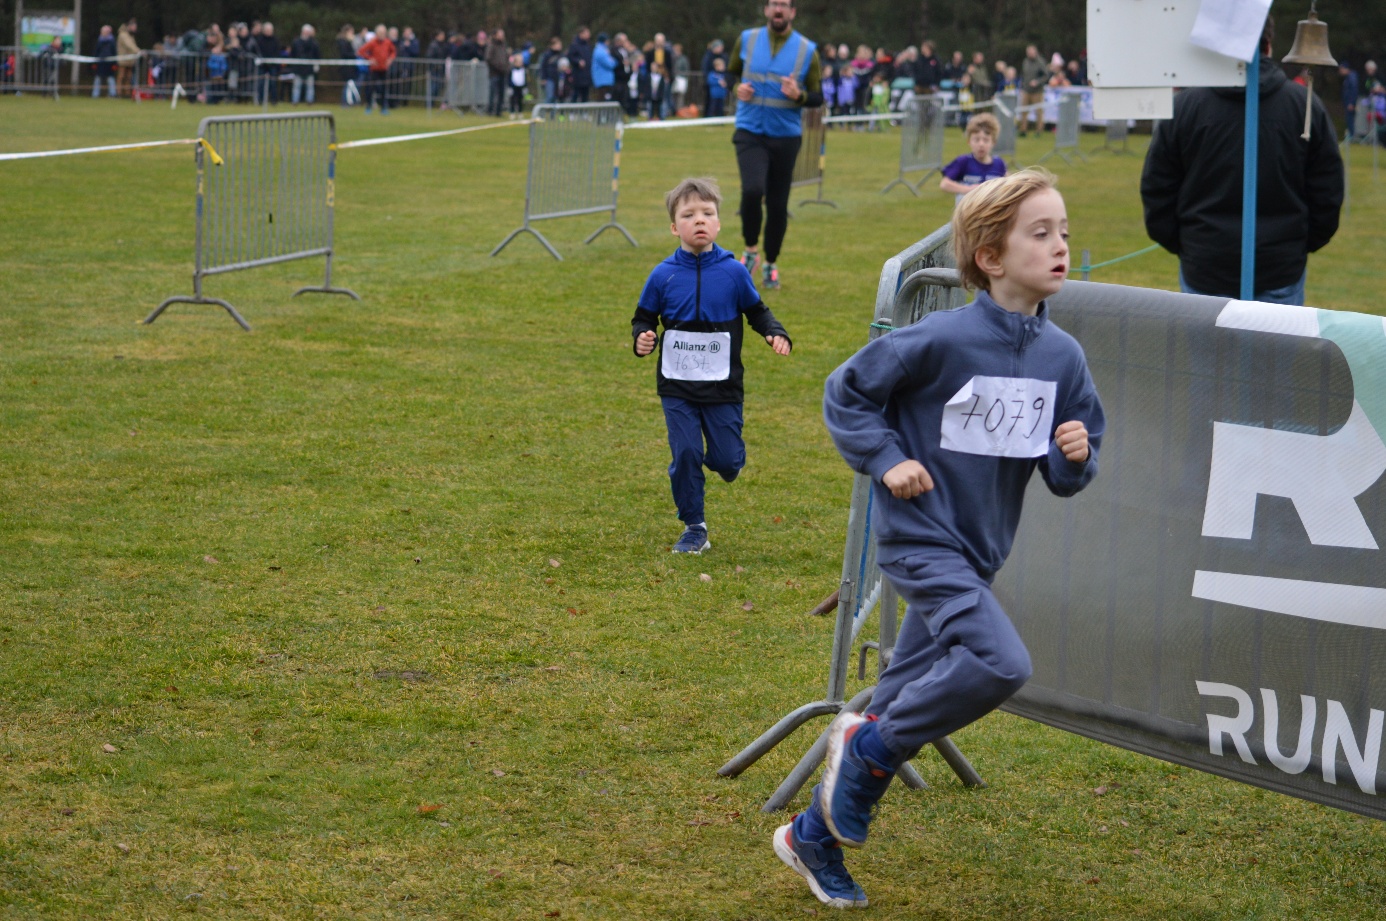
[1000,417]
[696,356]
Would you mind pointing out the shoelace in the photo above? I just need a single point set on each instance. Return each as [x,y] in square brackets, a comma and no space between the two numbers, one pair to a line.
[835,873]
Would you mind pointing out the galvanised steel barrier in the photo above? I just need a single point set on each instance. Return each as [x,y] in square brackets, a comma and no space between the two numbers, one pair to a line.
[1066,131]
[913,283]
[467,86]
[1004,107]
[813,155]
[1116,137]
[922,132]
[268,198]
[574,167]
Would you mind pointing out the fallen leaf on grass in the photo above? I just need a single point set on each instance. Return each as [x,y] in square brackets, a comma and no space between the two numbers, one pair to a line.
[553,668]
[495,873]
[428,808]
[1124,823]
[552,914]
[777,519]
[109,749]
[210,559]
[698,823]
[498,772]
[747,606]
[702,576]
[1101,791]
[1093,880]
[68,811]
[123,848]
[555,564]
[573,611]
[733,815]
[171,689]
[548,580]
[741,569]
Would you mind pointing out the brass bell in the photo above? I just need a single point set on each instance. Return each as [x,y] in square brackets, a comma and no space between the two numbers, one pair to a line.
[1310,49]
[1311,43]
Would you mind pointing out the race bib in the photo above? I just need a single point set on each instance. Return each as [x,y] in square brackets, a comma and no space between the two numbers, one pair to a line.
[696,356]
[1000,417]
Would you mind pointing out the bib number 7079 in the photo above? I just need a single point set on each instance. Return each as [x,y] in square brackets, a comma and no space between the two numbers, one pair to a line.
[1000,417]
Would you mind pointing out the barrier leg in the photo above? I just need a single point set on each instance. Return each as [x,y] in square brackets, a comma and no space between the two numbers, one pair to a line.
[900,180]
[927,176]
[184,299]
[326,287]
[775,735]
[609,224]
[539,236]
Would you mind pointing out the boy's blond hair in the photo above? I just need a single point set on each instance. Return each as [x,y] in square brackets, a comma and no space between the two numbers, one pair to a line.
[703,189]
[985,216]
[984,121]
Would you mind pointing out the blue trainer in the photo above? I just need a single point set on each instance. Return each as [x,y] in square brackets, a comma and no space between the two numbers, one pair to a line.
[693,540]
[851,784]
[821,867]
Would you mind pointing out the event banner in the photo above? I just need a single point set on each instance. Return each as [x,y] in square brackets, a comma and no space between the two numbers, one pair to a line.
[1217,596]
[37,31]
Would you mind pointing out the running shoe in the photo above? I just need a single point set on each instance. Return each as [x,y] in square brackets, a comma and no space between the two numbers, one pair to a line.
[851,784]
[770,280]
[693,540]
[821,867]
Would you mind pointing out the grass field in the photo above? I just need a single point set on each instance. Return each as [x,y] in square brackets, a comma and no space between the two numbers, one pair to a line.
[370,613]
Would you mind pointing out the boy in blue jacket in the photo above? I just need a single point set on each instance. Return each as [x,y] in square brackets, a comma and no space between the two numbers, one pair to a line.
[950,417]
[700,294]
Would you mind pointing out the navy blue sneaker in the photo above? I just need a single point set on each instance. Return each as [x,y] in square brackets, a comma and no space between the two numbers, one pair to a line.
[821,867]
[693,540]
[851,784]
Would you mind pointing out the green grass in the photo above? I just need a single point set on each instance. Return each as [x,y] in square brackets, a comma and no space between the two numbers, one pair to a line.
[413,551]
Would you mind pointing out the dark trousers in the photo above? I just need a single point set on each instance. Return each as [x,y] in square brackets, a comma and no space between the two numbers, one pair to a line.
[725,453]
[496,104]
[767,170]
[376,89]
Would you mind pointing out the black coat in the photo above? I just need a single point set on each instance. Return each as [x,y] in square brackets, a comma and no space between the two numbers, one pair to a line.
[305,49]
[580,56]
[105,48]
[1192,184]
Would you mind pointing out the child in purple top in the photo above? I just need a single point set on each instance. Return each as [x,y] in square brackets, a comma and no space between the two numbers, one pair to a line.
[971,170]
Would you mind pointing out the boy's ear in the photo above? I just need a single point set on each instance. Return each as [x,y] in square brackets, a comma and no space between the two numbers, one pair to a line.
[989,261]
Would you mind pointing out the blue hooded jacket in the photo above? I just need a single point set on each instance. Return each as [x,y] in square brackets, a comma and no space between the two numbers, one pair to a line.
[705,293]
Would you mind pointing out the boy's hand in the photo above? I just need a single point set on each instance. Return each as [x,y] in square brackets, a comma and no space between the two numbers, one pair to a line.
[907,479]
[744,92]
[779,343]
[645,343]
[1072,439]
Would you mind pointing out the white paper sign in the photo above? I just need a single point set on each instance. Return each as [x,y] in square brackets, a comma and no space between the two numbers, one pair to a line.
[1000,417]
[1230,27]
[696,356]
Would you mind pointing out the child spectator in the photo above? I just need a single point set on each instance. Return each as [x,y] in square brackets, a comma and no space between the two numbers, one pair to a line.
[910,410]
[846,89]
[880,98]
[829,77]
[971,170]
[699,294]
[518,78]
[717,89]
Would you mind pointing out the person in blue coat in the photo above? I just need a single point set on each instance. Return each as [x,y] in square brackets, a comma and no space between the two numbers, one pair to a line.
[603,69]
[777,73]
[699,295]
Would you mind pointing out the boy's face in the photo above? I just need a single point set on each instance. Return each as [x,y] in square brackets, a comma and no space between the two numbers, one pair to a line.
[981,143]
[1035,262]
[695,224]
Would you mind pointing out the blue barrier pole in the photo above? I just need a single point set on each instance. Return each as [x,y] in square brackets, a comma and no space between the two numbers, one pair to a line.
[1249,158]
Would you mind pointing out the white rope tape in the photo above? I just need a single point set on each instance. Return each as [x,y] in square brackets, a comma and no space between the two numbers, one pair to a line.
[88,59]
[372,142]
[36,154]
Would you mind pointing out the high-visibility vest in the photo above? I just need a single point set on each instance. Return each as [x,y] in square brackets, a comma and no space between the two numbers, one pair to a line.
[769,111]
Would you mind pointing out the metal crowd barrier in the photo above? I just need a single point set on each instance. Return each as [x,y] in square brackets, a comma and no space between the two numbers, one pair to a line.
[1116,137]
[1066,131]
[813,155]
[1004,107]
[268,198]
[467,86]
[913,282]
[24,72]
[922,132]
[574,167]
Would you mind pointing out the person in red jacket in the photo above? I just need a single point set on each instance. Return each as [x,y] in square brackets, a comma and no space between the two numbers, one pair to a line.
[379,52]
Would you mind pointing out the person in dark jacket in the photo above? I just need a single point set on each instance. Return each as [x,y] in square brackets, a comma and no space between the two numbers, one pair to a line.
[928,72]
[580,59]
[497,68]
[267,46]
[716,50]
[699,295]
[105,68]
[437,54]
[548,69]
[1350,95]
[1192,186]
[305,49]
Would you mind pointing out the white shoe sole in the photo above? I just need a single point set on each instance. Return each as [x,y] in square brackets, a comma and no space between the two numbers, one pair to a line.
[791,860]
[832,770]
[707,545]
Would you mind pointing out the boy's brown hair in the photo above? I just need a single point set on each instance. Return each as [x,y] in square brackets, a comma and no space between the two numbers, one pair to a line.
[703,189]
[985,216]
[984,121]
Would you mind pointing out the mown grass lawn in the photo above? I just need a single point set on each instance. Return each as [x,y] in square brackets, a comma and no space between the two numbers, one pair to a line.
[370,613]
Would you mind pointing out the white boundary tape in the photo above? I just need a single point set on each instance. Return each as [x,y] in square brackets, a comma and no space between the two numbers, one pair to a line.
[36,154]
[372,142]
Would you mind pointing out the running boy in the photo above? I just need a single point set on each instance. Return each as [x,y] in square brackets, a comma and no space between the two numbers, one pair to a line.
[971,170]
[917,410]
[700,294]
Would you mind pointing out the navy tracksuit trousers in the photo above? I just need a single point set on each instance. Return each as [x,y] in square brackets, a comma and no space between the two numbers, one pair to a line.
[689,424]
[957,658]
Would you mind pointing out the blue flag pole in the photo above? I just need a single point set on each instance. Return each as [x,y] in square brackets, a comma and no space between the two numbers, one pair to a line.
[1250,156]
